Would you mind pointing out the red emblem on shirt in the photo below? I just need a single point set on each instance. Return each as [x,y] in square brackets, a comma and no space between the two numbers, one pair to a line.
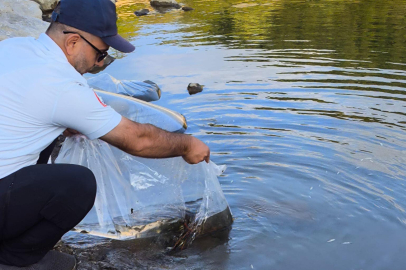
[101,102]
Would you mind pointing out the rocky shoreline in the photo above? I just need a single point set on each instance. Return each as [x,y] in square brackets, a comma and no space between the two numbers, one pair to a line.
[23,18]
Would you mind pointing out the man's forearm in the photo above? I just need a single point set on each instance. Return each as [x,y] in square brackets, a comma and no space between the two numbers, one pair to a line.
[151,141]
[146,140]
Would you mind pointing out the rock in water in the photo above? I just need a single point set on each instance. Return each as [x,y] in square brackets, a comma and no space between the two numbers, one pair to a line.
[187,8]
[165,3]
[194,88]
[141,12]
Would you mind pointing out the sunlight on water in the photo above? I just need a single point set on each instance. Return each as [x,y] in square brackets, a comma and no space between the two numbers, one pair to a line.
[305,103]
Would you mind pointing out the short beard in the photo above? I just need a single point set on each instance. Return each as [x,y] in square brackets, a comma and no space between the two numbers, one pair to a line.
[81,65]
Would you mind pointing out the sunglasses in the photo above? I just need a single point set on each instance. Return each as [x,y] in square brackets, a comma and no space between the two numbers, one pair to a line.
[101,55]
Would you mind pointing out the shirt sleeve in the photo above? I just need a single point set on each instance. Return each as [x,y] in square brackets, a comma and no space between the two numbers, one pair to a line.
[78,107]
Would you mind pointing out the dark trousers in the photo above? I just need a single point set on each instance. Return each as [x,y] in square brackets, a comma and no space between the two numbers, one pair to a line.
[38,205]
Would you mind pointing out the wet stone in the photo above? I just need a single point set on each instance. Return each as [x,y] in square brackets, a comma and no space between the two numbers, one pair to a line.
[194,88]
[187,8]
[148,253]
[141,12]
[164,4]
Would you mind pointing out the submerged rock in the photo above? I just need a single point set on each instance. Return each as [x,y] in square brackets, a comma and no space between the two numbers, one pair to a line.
[144,253]
[187,8]
[165,3]
[193,229]
[194,88]
[141,12]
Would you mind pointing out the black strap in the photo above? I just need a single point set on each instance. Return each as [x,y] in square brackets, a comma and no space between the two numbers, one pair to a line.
[46,153]
[6,205]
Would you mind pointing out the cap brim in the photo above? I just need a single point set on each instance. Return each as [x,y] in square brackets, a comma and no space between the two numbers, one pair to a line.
[119,43]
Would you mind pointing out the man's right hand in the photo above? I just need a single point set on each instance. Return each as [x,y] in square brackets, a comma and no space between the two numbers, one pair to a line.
[198,152]
[145,140]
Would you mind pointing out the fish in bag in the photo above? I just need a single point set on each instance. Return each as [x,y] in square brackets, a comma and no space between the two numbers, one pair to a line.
[139,197]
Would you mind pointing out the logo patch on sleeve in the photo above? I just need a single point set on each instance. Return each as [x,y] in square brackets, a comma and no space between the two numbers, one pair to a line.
[100,100]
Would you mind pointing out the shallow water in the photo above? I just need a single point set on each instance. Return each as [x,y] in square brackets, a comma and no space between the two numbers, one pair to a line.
[305,102]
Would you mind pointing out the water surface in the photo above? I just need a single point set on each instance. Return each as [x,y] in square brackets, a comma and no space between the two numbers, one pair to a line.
[305,102]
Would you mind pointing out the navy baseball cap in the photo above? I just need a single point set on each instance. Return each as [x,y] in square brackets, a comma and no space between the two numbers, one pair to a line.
[97,17]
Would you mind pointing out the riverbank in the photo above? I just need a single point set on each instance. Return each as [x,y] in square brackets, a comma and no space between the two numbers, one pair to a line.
[23,18]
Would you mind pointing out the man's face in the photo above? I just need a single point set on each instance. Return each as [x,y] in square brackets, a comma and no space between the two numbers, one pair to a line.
[87,57]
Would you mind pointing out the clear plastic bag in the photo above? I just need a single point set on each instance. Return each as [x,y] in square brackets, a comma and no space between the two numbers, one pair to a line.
[146,90]
[144,112]
[139,197]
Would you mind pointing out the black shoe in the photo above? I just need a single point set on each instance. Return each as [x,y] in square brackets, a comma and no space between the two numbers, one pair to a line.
[53,260]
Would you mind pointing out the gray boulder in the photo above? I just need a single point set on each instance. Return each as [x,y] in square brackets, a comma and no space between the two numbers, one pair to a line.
[20,18]
[24,8]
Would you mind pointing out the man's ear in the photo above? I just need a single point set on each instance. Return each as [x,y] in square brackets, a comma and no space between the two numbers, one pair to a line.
[71,44]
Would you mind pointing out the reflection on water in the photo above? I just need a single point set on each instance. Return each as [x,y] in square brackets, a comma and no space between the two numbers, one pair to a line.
[305,103]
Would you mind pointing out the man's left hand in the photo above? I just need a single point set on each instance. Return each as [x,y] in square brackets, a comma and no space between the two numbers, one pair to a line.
[70,132]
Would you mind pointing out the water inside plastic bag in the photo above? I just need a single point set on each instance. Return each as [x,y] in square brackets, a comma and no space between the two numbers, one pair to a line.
[140,197]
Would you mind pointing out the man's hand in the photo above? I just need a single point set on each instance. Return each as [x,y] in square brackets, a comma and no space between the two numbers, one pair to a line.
[198,151]
[70,132]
